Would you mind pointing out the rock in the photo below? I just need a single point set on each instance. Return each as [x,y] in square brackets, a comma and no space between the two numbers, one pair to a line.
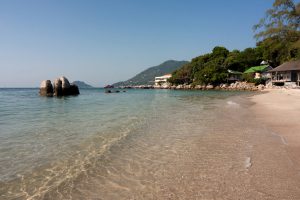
[61,87]
[260,87]
[112,91]
[57,87]
[46,88]
[178,87]
[73,90]
[209,87]
[64,82]
[188,87]
[198,87]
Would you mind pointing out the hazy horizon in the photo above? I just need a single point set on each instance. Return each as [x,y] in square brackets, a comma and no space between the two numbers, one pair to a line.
[102,42]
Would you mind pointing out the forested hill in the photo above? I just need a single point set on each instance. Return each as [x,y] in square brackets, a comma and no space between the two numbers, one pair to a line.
[147,77]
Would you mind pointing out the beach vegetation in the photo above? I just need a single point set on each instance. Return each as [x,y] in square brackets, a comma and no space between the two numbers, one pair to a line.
[278,41]
[278,33]
[212,68]
[249,77]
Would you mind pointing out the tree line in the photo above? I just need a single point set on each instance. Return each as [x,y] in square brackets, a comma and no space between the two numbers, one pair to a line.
[278,41]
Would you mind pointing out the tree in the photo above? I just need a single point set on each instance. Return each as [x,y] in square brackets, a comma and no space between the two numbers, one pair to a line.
[182,75]
[209,68]
[278,32]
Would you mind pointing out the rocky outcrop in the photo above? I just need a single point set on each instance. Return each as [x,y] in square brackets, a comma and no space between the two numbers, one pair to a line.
[46,88]
[61,87]
[233,86]
[240,86]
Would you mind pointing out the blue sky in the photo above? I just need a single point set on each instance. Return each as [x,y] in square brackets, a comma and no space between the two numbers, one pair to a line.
[101,42]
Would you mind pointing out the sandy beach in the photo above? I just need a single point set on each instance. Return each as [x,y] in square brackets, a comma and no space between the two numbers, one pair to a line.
[280,110]
[274,141]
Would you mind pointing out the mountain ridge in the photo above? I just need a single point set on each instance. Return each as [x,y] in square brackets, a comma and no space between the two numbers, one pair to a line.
[147,76]
[82,84]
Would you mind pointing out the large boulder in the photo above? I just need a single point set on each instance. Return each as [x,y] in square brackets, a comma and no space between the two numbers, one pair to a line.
[46,88]
[73,90]
[64,82]
[209,87]
[61,87]
[57,86]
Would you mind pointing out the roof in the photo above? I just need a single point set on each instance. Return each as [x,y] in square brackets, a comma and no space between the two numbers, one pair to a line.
[164,76]
[287,66]
[233,72]
[256,69]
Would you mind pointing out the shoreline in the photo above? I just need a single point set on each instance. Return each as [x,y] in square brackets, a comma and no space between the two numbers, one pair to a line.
[236,86]
[192,147]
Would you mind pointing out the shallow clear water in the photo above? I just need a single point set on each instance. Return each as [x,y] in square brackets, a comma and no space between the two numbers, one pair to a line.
[99,145]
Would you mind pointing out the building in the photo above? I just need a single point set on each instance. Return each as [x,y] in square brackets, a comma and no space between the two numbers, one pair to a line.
[162,80]
[234,76]
[259,71]
[287,74]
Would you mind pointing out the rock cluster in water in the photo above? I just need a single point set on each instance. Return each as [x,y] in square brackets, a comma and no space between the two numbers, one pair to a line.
[60,87]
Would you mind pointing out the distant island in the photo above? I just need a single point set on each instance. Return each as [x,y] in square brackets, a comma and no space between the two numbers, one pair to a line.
[82,84]
[147,76]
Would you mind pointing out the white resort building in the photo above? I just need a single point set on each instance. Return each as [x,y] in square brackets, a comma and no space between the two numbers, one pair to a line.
[162,80]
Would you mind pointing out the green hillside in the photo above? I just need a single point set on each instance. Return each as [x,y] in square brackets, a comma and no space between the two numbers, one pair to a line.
[147,77]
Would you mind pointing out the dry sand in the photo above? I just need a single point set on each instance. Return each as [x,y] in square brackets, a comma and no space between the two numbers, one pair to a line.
[280,111]
[276,168]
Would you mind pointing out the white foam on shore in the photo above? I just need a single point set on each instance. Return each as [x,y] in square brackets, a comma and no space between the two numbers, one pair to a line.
[248,163]
[232,103]
[283,140]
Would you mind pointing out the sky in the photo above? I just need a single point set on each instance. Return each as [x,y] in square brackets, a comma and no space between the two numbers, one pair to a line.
[105,41]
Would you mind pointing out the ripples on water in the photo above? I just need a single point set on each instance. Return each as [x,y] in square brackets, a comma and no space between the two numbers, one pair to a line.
[97,145]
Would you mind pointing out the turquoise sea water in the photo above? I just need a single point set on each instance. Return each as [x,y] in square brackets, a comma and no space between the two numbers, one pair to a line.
[47,144]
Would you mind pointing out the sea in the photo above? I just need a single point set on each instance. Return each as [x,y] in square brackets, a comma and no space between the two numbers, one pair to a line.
[135,144]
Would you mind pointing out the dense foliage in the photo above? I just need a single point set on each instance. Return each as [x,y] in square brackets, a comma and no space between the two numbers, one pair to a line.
[278,37]
[212,68]
[278,34]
